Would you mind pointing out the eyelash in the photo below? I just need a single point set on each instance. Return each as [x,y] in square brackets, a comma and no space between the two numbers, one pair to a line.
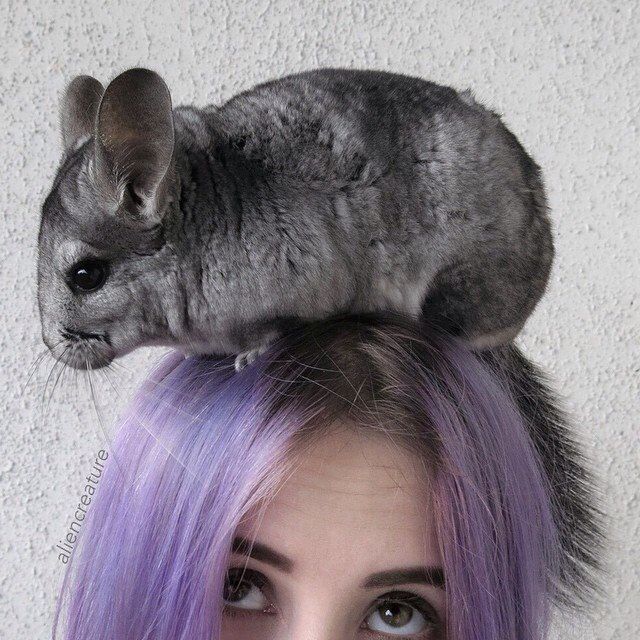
[235,612]
[405,597]
[412,600]
[254,577]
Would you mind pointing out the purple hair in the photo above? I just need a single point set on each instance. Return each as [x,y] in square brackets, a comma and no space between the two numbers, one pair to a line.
[200,444]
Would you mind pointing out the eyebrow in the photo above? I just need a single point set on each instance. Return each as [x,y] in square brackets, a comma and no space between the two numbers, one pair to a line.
[262,552]
[433,576]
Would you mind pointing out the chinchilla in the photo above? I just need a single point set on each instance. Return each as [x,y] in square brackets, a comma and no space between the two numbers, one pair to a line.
[328,191]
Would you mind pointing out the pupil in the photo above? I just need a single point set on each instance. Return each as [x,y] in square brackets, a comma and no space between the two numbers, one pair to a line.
[89,275]
[234,592]
[396,614]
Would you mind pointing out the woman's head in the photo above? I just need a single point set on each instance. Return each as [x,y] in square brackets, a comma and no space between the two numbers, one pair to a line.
[346,548]
[352,448]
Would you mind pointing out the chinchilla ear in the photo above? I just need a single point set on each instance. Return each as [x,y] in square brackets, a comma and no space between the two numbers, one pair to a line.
[78,109]
[134,138]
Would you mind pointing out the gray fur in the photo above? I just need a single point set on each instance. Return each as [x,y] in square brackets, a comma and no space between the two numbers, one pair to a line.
[319,193]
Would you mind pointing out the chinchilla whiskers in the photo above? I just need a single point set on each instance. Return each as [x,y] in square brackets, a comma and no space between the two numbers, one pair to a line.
[153,435]
[104,372]
[116,367]
[108,440]
[93,397]
[34,367]
[61,366]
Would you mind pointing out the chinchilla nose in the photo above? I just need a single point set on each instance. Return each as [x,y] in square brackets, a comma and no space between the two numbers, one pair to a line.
[75,335]
[79,349]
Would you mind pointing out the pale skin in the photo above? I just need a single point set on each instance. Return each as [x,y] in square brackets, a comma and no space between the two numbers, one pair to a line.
[345,550]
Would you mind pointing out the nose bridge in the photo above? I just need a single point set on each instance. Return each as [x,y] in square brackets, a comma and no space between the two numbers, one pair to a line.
[47,337]
[49,329]
[52,325]
[53,308]
[320,614]
[307,628]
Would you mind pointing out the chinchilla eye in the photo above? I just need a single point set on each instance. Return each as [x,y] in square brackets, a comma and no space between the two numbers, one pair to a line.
[88,275]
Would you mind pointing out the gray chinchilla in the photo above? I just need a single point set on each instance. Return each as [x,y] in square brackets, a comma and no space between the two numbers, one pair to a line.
[323,192]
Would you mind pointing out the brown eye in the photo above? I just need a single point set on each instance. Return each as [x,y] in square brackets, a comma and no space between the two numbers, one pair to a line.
[395,614]
[243,589]
[237,591]
[88,275]
[402,614]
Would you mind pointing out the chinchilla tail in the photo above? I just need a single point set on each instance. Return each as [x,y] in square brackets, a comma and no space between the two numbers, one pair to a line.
[575,493]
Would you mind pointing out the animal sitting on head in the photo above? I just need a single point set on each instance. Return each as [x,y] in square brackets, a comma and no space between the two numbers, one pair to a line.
[329,191]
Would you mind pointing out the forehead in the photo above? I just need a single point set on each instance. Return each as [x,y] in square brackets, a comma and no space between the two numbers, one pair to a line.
[354,500]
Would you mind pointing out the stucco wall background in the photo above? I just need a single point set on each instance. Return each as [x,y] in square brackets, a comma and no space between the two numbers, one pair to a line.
[565,76]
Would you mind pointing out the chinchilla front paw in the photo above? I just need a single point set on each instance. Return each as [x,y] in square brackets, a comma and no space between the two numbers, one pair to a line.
[247,357]
[267,336]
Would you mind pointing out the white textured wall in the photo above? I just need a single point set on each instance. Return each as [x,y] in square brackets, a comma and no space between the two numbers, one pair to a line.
[565,76]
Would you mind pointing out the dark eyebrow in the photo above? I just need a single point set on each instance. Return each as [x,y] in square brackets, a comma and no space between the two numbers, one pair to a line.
[262,552]
[433,576]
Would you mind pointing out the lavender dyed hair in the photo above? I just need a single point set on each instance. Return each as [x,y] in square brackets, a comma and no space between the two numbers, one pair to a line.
[200,445]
